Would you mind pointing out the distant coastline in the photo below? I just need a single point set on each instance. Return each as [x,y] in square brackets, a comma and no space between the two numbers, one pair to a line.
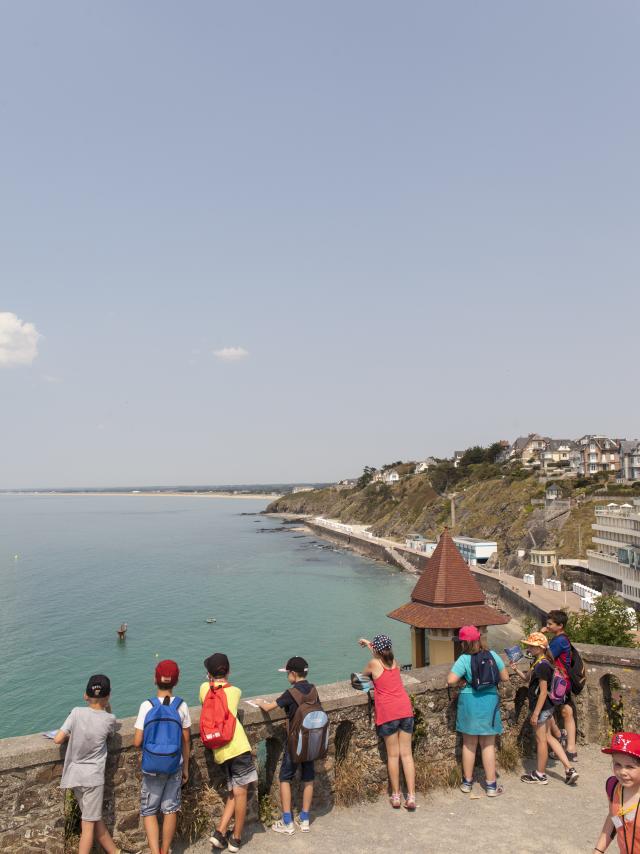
[139,493]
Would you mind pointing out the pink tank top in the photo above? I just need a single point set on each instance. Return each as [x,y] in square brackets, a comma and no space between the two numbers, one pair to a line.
[391,700]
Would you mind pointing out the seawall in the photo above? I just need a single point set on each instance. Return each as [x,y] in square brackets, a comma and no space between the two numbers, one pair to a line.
[36,816]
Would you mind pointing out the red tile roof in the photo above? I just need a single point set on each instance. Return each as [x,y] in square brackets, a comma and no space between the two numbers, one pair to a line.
[447,596]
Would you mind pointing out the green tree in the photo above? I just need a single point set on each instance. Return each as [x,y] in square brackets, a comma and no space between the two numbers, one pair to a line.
[365,477]
[610,624]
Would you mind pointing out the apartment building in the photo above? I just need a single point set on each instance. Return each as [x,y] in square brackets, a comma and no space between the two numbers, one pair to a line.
[629,460]
[616,536]
[598,454]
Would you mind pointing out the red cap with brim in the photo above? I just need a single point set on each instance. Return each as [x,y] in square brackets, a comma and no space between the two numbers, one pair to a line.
[625,742]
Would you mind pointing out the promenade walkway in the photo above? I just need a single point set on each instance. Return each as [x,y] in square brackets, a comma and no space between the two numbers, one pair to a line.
[554,819]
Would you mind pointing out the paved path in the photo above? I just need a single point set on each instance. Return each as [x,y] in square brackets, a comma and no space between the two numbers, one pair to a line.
[553,819]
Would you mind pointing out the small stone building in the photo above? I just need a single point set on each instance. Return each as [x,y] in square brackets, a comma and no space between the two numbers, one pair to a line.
[446,597]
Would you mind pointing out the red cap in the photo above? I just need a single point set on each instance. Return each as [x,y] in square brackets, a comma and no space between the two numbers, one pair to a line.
[167,673]
[624,742]
[469,633]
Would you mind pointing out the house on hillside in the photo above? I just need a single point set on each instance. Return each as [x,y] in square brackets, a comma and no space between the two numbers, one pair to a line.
[629,459]
[553,492]
[391,476]
[457,456]
[598,454]
[529,449]
[557,453]
[424,465]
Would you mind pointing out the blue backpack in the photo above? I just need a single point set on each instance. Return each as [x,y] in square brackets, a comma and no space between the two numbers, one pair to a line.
[484,670]
[162,739]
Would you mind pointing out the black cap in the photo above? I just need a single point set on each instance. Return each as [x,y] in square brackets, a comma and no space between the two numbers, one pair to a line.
[98,686]
[296,665]
[217,664]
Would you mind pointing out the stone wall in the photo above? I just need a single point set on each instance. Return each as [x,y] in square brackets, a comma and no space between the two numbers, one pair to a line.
[32,807]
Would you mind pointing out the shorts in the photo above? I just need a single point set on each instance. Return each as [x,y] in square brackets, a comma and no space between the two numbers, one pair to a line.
[89,800]
[241,771]
[288,769]
[161,793]
[392,727]
[544,716]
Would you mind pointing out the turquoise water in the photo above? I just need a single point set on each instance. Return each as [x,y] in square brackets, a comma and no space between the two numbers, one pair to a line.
[163,564]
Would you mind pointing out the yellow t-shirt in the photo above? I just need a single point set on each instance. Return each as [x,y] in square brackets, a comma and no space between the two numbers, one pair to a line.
[239,743]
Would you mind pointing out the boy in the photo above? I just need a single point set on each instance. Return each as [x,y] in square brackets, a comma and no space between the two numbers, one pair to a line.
[87,729]
[163,792]
[235,757]
[623,790]
[296,669]
[560,648]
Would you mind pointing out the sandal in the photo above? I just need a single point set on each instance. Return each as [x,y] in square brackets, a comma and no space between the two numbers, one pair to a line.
[494,791]
[396,800]
[410,803]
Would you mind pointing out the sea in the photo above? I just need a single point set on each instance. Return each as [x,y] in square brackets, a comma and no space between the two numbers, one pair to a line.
[73,567]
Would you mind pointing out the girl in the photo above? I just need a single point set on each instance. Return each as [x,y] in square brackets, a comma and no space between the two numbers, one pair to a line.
[539,680]
[624,791]
[478,717]
[394,717]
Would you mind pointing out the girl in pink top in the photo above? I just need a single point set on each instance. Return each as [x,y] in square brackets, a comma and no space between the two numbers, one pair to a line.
[394,717]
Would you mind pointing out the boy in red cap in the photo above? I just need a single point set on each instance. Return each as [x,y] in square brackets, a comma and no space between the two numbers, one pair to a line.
[162,729]
[623,790]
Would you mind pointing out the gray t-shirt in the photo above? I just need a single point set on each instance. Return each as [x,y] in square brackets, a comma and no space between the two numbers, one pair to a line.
[86,755]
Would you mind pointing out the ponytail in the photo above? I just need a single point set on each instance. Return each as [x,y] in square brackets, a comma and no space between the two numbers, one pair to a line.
[387,657]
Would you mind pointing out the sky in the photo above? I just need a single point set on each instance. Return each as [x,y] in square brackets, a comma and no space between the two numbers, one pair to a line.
[275,242]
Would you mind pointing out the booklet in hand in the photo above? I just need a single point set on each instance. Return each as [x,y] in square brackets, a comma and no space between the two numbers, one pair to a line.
[514,653]
[51,734]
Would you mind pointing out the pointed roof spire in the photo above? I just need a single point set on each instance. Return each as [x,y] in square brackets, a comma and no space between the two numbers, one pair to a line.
[447,580]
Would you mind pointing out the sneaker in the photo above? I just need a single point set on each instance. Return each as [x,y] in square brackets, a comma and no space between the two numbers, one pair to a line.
[535,777]
[218,840]
[410,803]
[466,786]
[281,827]
[303,824]
[233,844]
[571,776]
[572,757]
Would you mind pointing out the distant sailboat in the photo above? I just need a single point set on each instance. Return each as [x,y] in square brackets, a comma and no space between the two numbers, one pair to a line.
[122,631]
[210,620]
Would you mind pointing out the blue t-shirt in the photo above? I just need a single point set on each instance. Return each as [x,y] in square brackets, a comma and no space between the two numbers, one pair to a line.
[462,668]
[561,650]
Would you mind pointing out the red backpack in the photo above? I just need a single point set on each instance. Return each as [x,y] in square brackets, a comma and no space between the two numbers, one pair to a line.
[217,724]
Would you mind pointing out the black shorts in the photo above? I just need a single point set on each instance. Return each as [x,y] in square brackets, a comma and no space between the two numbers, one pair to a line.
[288,769]
[241,771]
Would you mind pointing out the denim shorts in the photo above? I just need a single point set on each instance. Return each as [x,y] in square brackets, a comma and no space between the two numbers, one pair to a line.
[161,793]
[392,727]
[544,716]
[288,769]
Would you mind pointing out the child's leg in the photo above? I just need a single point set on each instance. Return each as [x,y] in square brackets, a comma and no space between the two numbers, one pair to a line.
[392,744]
[488,749]
[169,822]
[103,836]
[406,757]
[307,797]
[557,748]
[86,837]
[541,747]
[227,814]
[285,796]
[554,728]
[153,833]
[569,722]
[469,746]
[240,813]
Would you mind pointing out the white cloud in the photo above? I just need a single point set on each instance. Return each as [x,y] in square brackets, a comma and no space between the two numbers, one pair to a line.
[231,354]
[18,340]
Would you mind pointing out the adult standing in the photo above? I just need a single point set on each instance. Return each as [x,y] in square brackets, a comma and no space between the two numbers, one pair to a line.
[394,718]
[478,717]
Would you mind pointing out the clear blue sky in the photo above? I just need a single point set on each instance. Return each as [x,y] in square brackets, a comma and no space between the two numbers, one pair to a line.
[420,220]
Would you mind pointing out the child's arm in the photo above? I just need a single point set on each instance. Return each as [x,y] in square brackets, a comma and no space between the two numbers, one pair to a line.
[607,834]
[60,737]
[524,676]
[265,706]
[542,696]
[186,753]
[138,735]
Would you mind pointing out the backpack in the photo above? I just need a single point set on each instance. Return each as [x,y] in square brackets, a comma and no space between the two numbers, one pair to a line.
[484,670]
[577,672]
[559,686]
[217,724]
[610,786]
[361,682]
[162,737]
[308,730]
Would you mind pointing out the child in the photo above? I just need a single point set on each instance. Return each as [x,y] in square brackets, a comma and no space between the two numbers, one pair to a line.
[87,729]
[296,669]
[394,718]
[539,679]
[163,724]
[623,790]
[235,757]
[560,648]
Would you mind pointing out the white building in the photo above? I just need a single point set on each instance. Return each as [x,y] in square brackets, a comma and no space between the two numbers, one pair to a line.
[418,543]
[629,460]
[391,477]
[475,551]
[424,465]
[616,536]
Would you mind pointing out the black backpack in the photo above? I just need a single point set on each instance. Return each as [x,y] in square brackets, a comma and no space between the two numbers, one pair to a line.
[484,670]
[577,672]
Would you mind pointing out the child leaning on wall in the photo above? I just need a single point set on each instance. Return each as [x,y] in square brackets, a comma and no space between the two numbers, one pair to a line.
[87,729]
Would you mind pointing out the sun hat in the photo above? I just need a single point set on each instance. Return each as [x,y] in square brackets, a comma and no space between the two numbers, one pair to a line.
[469,633]
[536,639]
[98,686]
[297,664]
[624,742]
[381,643]
[167,673]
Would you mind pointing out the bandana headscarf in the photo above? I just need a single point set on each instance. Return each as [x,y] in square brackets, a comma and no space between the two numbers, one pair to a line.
[381,643]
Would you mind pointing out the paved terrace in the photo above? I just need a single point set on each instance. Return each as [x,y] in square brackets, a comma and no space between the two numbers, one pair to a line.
[447,821]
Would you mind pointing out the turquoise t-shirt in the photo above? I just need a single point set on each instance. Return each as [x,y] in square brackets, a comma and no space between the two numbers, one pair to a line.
[462,668]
